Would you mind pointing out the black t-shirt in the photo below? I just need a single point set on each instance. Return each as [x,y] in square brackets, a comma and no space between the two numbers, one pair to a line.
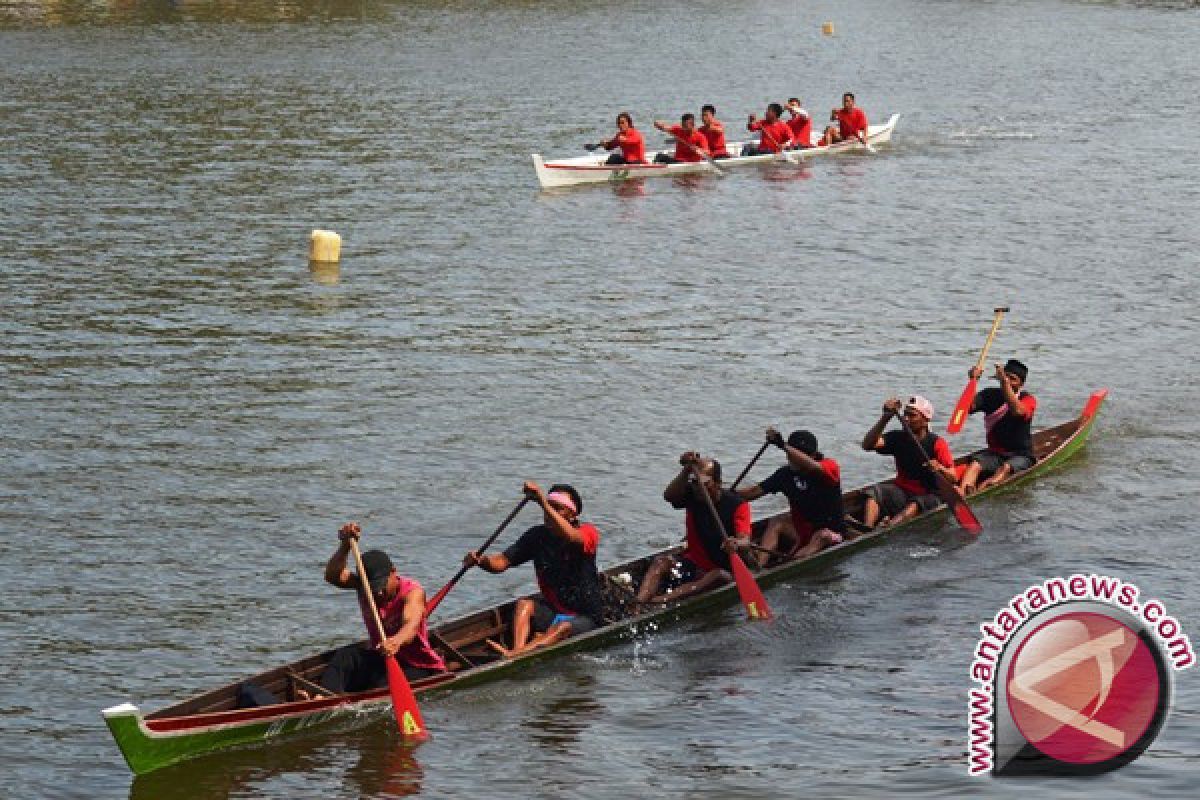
[911,460]
[816,499]
[1010,433]
[703,531]
[566,571]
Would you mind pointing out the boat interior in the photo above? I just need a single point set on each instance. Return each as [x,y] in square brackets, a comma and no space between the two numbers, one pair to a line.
[463,642]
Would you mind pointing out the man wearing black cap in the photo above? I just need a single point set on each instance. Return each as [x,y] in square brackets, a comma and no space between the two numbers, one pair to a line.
[812,484]
[401,603]
[1008,419]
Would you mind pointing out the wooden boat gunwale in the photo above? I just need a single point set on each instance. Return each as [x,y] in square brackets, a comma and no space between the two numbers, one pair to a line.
[152,741]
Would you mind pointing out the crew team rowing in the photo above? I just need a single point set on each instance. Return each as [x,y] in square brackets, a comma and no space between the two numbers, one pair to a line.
[563,548]
[707,141]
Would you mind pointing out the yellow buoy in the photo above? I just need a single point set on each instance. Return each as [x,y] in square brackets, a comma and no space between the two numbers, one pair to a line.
[827,29]
[325,247]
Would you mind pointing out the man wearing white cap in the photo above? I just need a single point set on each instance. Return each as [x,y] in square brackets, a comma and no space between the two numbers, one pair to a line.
[563,552]
[914,489]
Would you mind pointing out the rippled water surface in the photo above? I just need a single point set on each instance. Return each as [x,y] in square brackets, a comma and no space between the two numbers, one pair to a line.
[189,412]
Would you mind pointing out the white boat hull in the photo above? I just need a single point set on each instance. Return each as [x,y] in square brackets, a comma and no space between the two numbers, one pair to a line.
[592,169]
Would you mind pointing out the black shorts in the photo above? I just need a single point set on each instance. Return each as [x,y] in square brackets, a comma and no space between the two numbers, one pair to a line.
[545,617]
[990,461]
[892,499]
[684,570]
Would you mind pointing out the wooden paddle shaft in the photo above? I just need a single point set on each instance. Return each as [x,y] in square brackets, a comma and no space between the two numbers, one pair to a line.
[749,466]
[707,158]
[708,501]
[366,586]
[987,345]
[437,598]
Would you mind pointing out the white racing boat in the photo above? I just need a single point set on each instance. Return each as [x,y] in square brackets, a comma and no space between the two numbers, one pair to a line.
[592,169]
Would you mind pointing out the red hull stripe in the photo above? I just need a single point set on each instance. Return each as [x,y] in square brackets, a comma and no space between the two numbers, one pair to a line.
[607,167]
[281,711]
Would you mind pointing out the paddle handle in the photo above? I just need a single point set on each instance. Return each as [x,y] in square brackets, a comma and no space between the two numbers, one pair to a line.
[366,587]
[750,466]
[437,598]
[987,345]
[958,417]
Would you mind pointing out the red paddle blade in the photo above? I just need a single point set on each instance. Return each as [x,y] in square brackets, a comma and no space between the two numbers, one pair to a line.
[404,703]
[966,518]
[752,596]
[959,417]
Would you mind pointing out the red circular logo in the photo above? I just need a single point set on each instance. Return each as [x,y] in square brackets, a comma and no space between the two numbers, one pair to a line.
[1083,688]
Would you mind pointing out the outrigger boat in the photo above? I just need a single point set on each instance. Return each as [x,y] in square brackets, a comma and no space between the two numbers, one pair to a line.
[211,721]
[592,169]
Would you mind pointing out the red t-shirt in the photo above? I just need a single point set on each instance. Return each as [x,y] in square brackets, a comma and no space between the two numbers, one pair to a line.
[801,128]
[851,122]
[695,138]
[632,145]
[774,134]
[715,138]
[417,653]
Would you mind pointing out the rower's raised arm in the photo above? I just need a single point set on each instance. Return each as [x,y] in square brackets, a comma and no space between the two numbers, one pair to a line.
[676,492]
[336,572]
[873,440]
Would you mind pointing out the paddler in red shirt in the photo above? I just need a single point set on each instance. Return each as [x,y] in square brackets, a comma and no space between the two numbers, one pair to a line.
[800,124]
[629,139]
[851,123]
[775,134]
[690,144]
[401,605]
[714,132]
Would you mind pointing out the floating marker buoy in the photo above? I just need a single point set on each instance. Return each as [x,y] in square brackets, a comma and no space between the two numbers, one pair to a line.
[827,29]
[325,247]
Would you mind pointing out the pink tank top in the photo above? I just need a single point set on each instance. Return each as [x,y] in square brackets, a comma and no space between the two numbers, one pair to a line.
[417,653]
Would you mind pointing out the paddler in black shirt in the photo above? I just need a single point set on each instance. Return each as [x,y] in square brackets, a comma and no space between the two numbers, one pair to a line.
[563,552]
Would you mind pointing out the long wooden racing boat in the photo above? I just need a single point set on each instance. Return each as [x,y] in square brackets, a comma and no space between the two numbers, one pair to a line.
[592,169]
[211,721]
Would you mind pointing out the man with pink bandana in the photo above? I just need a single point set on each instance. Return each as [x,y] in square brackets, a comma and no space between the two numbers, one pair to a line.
[563,552]
[914,489]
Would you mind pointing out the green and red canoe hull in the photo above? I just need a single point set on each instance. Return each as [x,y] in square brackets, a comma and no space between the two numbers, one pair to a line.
[209,723]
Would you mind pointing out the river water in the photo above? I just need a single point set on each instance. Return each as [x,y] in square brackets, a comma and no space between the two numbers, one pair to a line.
[189,411]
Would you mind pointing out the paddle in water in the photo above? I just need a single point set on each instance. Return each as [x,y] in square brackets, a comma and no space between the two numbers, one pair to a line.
[747,587]
[945,489]
[437,598]
[404,702]
[959,417]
